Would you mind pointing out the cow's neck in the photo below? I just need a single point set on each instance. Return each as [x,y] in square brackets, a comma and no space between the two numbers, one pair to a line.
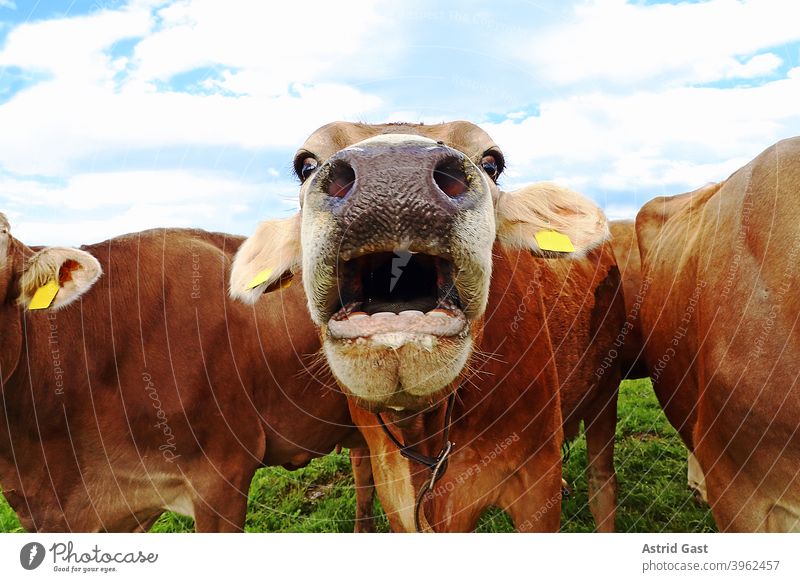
[422,438]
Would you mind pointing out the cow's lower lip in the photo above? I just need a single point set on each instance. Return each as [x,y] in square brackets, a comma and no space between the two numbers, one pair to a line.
[437,322]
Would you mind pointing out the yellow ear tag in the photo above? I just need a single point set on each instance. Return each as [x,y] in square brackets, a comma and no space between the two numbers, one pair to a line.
[259,279]
[550,240]
[44,295]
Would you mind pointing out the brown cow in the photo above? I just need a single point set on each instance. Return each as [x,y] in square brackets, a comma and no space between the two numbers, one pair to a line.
[583,313]
[419,272]
[152,391]
[720,321]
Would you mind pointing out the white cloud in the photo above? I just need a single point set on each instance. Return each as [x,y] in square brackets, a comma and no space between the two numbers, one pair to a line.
[95,103]
[676,138]
[54,124]
[621,211]
[72,49]
[10,4]
[613,42]
[78,230]
[135,200]
[268,45]
[102,189]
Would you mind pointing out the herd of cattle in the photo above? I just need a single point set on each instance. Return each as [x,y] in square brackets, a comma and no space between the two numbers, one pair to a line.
[452,335]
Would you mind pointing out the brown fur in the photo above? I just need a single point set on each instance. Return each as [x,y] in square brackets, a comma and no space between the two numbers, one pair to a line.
[511,387]
[727,377]
[81,449]
[517,387]
[626,250]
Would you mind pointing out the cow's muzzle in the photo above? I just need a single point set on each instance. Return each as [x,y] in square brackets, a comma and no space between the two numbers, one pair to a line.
[397,239]
[397,292]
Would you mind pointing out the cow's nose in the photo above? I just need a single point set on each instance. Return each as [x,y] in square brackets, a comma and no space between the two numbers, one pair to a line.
[441,168]
[395,171]
[341,179]
[397,190]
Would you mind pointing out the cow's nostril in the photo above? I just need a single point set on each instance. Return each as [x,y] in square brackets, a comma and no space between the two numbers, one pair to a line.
[450,177]
[340,179]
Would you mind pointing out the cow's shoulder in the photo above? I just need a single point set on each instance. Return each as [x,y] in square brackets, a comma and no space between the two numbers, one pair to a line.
[670,223]
[573,289]
[622,229]
[623,241]
[771,182]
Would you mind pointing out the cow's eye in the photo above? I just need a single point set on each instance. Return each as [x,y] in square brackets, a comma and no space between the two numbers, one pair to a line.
[308,167]
[489,165]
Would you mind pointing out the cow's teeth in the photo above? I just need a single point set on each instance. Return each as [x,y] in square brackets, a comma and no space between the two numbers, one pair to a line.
[411,312]
[438,313]
[357,315]
[384,314]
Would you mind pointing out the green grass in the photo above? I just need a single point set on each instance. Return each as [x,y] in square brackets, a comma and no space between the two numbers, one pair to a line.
[650,461]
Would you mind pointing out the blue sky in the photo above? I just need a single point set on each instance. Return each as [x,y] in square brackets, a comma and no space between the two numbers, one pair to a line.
[121,115]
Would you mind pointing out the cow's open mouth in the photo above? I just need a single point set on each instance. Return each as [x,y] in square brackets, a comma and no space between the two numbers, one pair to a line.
[390,292]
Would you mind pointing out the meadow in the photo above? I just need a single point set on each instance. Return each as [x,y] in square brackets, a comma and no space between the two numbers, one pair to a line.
[650,461]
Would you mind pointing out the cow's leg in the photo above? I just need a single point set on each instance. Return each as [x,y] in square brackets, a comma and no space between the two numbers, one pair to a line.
[463,516]
[733,504]
[600,431]
[782,518]
[744,499]
[392,473]
[365,490]
[534,501]
[220,512]
[221,504]
[146,525]
[740,509]
[142,525]
[696,479]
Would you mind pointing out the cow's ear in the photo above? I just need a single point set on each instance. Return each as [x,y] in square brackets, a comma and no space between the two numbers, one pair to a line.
[55,277]
[550,220]
[267,260]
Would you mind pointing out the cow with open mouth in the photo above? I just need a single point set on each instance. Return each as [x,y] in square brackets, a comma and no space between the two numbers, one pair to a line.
[413,264]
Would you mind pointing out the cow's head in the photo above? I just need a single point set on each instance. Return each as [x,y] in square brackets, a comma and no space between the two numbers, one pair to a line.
[394,238]
[37,281]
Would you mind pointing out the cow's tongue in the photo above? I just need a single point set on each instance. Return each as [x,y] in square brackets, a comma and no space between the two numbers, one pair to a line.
[423,304]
